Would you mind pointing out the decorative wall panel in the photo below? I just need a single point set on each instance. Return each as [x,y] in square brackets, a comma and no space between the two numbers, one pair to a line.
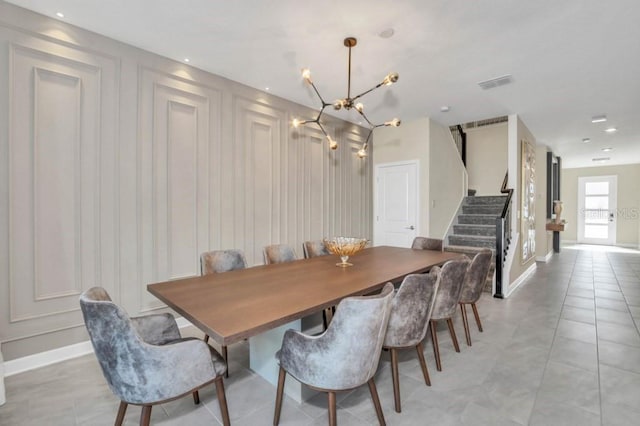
[58,157]
[528,176]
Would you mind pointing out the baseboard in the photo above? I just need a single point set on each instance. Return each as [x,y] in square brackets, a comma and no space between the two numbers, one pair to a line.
[522,278]
[42,359]
[546,258]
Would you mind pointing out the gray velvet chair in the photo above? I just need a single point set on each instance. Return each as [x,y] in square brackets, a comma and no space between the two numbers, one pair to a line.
[472,288]
[144,359]
[218,261]
[279,253]
[447,298]
[314,248]
[424,243]
[344,357]
[409,320]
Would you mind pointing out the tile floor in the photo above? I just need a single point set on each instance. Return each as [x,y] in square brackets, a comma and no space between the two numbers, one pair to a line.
[563,350]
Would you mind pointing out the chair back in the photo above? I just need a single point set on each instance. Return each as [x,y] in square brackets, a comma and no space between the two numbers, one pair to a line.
[116,344]
[476,277]
[424,243]
[314,249]
[279,253]
[346,355]
[451,281]
[217,261]
[411,309]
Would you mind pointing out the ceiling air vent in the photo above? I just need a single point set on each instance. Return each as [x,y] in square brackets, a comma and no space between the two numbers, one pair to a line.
[496,82]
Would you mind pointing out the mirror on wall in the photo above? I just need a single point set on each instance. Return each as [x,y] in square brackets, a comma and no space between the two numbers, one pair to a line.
[553,181]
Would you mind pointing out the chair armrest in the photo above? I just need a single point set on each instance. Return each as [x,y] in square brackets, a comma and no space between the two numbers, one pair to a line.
[156,329]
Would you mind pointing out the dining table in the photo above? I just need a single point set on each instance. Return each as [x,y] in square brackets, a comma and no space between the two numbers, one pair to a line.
[260,303]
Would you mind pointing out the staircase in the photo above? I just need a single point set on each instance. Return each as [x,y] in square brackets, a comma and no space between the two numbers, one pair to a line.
[476,228]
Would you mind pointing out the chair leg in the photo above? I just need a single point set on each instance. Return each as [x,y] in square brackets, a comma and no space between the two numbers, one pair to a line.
[452,331]
[423,364]
[145,416]
[465,323]
[376,401]
[196,397]
[222,402]
[226,360]
[276,414]
[475,313]
[122,410]
[206,338]
[332,409]
[434,341]
[395,379]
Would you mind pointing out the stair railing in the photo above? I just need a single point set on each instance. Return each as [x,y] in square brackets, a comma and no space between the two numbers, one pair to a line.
[503,236]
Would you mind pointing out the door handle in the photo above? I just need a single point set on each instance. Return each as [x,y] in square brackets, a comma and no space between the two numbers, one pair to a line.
[410,227]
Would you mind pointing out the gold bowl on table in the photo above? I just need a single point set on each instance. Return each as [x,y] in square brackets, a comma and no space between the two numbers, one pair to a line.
[345,247]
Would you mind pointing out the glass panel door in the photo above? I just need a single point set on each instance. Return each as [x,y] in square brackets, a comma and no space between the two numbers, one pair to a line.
[596,210]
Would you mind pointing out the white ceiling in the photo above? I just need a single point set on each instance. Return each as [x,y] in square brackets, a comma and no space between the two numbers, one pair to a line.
[570,59]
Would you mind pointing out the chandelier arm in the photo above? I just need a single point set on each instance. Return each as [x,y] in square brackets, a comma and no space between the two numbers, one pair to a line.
[368,91]
[318,93]
[349,76]
[365,117]
[322,128]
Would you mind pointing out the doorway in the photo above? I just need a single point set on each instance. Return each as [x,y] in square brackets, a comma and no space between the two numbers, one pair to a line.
[597,205]
[396,203]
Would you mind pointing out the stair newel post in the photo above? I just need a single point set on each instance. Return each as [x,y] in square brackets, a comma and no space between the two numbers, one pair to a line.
[500,221]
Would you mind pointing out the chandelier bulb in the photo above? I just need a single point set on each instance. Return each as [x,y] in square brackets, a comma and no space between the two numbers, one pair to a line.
[337,105]
[306,74]
[391,78]
[332,143]
[359,107]
[394,123]
[362,153]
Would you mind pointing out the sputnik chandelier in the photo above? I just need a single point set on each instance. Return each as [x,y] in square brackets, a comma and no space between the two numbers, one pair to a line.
[348,103]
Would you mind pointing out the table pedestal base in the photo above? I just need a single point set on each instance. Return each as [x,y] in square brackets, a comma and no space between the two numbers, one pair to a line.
[262,360]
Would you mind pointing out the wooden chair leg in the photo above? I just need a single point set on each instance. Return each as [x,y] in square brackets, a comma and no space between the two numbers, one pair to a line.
[145,416]
[122,410]
[332,409]
[395,379]
[423,364]
[434,341]
[452,331]
[276,414]
[206,338]
[222,402]
[226,360]
[196,397]
[465,323]
[376,401]
[475,313]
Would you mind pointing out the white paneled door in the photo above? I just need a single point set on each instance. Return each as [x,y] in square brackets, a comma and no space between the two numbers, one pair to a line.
[597,210]
[396,204]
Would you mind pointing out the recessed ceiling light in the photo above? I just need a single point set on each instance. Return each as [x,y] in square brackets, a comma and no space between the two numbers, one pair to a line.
[608,149]
[388,33]
[598,118]
[60,14]
[266,88]
[601,159]
[586,140]
[187,59]
[611,130]
[445,108]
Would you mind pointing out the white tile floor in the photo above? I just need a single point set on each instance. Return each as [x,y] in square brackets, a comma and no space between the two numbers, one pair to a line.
[563,350]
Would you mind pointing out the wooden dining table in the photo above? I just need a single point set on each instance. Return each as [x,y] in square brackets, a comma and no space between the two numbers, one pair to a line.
[248,303]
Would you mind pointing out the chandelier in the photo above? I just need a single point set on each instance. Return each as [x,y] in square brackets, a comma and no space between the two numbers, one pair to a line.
[348,103]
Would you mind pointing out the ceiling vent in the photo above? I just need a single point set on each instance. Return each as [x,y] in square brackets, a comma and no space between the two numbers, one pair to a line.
[496,82]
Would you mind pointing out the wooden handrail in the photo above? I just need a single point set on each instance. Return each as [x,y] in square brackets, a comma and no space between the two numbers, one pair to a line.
[502,237]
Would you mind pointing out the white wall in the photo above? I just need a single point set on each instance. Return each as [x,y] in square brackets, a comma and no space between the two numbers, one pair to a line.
[487,158]
[119,167]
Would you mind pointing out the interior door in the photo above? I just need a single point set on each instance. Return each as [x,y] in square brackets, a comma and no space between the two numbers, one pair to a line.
[597,210]
[396,204]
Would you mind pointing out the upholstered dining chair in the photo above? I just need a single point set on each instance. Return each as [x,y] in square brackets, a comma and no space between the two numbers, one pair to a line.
[144,359]
[409,320]
[474,282]
[424,243]
[344,357]
[218,261]
[314,248]
[279,253]
[447,298]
